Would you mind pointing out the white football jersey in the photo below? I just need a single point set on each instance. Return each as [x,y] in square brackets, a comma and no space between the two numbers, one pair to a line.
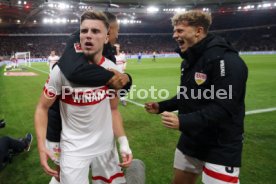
[86,115]
[53,59]
[121,59]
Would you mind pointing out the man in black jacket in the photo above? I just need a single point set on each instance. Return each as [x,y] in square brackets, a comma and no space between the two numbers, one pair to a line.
[10,147]
[76,68]
[210,104]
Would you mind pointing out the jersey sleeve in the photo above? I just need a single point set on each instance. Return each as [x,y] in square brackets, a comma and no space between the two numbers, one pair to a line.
[53,84]
[111,65]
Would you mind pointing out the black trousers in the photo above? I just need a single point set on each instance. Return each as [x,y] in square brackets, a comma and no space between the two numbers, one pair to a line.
[9,147]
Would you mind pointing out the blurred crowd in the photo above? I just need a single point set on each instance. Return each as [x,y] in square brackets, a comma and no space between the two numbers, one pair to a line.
[262,39]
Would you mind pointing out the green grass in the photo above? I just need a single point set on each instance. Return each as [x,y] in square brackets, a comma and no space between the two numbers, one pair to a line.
[149,140]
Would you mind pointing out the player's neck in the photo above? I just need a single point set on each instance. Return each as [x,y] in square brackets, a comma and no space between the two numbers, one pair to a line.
[97,58]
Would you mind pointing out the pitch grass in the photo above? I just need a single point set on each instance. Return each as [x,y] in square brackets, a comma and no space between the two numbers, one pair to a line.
[149,140]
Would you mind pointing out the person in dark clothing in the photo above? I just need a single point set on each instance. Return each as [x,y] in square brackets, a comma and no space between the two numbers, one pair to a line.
[10,147]
[76,68]
[210,104]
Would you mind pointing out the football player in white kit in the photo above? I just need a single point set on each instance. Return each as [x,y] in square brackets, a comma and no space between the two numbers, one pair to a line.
[87,137]
[121,59]
[52,59]
[121,62]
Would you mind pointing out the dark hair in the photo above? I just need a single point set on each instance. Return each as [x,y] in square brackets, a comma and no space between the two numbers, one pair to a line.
[111,17]
[95,15]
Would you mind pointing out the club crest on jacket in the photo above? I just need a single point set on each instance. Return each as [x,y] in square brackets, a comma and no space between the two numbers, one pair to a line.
[200,78]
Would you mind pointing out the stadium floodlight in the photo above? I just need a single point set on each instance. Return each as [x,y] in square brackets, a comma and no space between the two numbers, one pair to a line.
[114,5]
[125,21]
[246,7]
[62,6]
[45,20]
[58,21]
[152,9]
[274,4]
[182,9]
[25,2]
[74,20]
[266,5]
[63,20]
[19,2]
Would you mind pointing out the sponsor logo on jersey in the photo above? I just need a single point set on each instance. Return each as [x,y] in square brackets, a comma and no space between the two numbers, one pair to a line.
[200,78]
[85,97]
[78,48]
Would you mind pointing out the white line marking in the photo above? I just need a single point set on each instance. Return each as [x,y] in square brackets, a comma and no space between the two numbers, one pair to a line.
[257,111]
[38,70]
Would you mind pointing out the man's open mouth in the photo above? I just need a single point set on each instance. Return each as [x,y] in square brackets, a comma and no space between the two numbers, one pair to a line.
[88,44]
[180,42]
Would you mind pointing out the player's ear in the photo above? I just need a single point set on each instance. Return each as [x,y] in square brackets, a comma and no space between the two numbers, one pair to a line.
[199,31]
[107,36]
[106,39]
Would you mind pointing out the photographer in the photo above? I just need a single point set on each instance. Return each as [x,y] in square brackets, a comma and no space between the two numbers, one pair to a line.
[10,146]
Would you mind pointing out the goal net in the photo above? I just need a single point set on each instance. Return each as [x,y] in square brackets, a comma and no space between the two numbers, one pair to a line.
[23,58]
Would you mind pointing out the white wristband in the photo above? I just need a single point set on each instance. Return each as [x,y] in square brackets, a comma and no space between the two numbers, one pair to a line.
[124,146]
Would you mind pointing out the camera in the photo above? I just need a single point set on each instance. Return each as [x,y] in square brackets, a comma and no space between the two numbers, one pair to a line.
[2,123]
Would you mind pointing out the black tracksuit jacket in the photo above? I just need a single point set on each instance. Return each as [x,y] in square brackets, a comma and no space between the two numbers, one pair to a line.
[211,129]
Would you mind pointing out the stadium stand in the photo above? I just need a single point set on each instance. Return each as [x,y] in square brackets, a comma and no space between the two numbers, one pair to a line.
[248,31]
[262,39]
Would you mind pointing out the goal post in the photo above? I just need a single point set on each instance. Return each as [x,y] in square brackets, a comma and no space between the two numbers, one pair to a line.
[23,57]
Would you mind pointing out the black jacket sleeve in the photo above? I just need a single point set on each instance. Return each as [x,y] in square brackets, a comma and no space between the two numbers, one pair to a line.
[128,85]
[225,74]
[168,105]
[76,69]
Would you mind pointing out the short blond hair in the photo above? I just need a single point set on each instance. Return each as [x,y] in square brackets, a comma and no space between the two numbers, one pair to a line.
[193,18]
[95,15]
